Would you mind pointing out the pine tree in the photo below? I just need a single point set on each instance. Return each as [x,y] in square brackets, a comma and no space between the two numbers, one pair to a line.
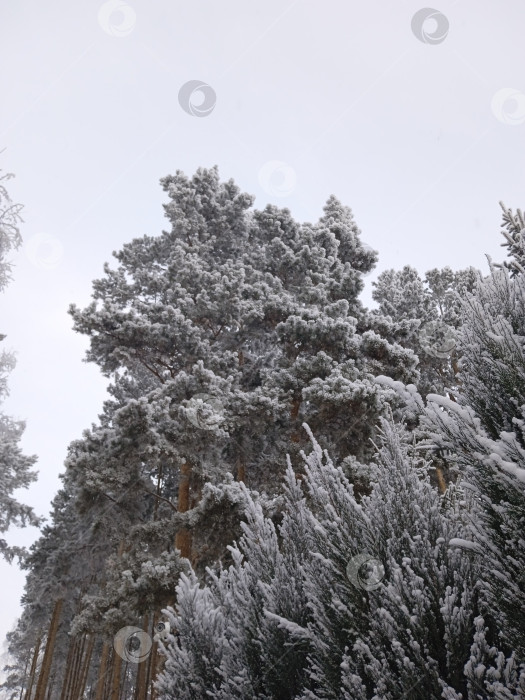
[484,432]
[424,315]
[10,236]
[252,310]
[15,467]
[219,337]
[288,620]
[513,230]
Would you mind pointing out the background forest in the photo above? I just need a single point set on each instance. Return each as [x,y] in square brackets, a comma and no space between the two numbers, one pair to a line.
[291,464]
[287,495]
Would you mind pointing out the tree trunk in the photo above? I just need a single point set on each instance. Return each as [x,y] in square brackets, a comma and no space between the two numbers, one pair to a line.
[442,485]
[74,680]
[101,681]
[85,668]
[159,481]
[115,681]
[27,696]
[241,468]
[141,681]
[124,683]
[153,660]
[157,663]
[51,685]
[68,674]
[183,536]
[48,654]
[25,676]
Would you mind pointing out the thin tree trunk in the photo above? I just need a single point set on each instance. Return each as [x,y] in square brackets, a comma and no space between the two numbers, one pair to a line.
[442,485]
[101,682]
[141,681]
[27,696]
[66,682]
[48,654]
[241,468]
[152,660]
[85,668]
[75,675]
[25,676]
[115,681]
[125,682]
[159,481]
[51,685]
[157,663]
[183,536]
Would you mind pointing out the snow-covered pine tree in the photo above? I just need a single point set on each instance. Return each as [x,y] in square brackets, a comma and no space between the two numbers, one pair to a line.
[15,467]
[10,236]
[513,230]
[220,336]
[424,315]
[484,431]
[286,620]
[253,310]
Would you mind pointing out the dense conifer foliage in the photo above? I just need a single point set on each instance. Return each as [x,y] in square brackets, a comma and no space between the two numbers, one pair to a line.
[287,495]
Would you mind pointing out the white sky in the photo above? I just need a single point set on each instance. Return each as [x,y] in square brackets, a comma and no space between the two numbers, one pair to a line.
[342,93]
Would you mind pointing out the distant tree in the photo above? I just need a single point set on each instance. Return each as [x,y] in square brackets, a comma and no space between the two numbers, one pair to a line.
[10,236]
[15,467]
[513,230]
[424,315]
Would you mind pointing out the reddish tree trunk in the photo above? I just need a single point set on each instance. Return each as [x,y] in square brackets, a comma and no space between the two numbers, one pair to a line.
[102,673]
[141,682]
[33,670]
[48,654]
[115,681]
[241,468]
[85,668]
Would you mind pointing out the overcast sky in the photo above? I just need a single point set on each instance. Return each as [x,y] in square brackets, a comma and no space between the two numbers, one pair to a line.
[417,124]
